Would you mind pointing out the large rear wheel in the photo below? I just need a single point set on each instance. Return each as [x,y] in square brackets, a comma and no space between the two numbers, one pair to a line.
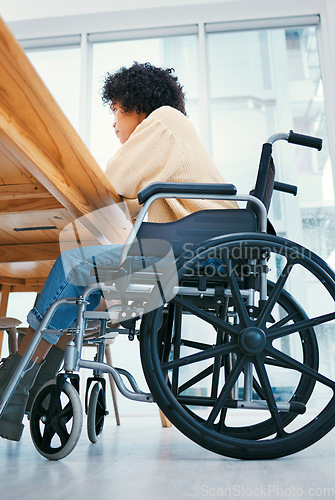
[237,374]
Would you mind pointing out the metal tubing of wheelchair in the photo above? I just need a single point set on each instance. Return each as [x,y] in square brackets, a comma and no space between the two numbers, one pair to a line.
[22,366]
[102,314]
[146,290]
[264,282]
[145,208]
[281,136]
[79,336]
[139,289]
[262,405]
[82,303]
[247,387]
[99,366]
[145,397]
[130,378]
[248,369]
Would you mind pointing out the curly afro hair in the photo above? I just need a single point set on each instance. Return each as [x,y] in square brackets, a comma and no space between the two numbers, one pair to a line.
[143,88]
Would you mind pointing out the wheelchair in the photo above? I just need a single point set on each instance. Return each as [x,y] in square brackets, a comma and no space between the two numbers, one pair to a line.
[234,324]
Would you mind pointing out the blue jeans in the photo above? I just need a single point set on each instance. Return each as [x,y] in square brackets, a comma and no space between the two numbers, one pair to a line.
[71,274]
[68,277]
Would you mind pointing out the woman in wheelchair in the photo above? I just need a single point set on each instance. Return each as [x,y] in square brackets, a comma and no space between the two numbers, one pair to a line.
[235,335]
[158,143]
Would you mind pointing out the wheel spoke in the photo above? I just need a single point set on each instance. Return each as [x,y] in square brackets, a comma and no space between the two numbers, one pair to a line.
[275,333]
[226,390]
[257,388]
[273,298]
[300,367]
[236,293]
[285,320]
[66,412]
[62,432]
[54,404]
[269,397]
[275,362]
[195,345]
[197,378]
[217,365]
[200,356]
[98,423]
[222,421]
[47,436]
[206,316]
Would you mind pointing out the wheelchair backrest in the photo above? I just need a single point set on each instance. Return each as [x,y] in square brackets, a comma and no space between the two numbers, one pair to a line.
[265,179]
[205,224]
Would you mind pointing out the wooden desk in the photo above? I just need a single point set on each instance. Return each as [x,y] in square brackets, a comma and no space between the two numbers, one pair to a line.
[48,177]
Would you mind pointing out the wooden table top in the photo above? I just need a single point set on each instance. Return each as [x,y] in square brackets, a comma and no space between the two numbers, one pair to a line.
[48,177]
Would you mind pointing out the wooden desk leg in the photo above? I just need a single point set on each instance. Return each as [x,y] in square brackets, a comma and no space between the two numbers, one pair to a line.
[12,340]
[165,422]
[4,294]
[112,385]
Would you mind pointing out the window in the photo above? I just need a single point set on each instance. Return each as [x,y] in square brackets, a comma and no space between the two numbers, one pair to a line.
[268,81]
[60,71]
[263,82]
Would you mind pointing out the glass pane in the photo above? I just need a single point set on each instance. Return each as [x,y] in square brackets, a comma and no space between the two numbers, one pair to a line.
[60,71]
[177,52]
[264,82]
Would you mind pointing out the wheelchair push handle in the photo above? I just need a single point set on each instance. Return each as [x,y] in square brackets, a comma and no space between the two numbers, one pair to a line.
[305,140]
[300,139]
[285,188]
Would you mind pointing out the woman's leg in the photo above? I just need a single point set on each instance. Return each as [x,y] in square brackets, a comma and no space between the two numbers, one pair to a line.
[70,274]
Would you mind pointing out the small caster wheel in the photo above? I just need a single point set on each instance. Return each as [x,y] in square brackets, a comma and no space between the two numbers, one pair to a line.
[96,412]
[56,420]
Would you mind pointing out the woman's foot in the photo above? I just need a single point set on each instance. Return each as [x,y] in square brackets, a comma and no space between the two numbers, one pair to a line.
[48,371]
[11,426]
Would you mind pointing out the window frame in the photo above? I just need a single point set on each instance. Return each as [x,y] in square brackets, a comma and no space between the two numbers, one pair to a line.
[85,29]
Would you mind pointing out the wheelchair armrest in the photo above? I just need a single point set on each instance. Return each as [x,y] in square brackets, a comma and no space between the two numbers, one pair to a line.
[180,188]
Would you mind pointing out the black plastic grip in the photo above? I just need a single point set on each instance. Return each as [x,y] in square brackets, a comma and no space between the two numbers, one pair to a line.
[285,188]
[305,140]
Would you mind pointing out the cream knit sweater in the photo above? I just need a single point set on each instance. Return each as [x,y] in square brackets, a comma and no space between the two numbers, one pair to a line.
[164,147]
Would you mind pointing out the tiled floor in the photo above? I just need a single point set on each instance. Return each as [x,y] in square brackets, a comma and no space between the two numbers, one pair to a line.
[141,460]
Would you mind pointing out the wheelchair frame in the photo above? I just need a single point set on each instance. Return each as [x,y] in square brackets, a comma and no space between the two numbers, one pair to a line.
[250,339]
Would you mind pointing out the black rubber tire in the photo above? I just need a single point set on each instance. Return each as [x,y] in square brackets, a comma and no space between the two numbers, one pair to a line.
[56,420]
[236,443]
[96,413]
